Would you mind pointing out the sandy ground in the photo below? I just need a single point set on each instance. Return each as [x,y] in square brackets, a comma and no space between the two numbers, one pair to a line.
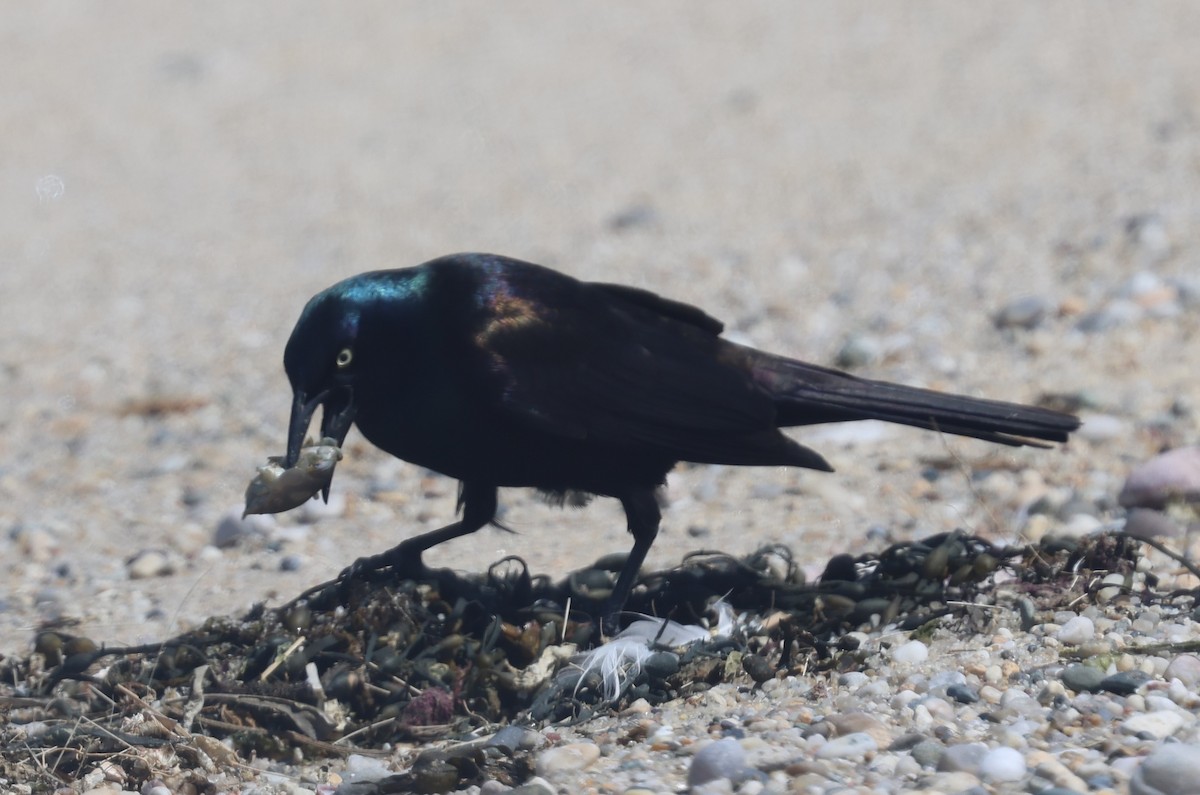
[177,180]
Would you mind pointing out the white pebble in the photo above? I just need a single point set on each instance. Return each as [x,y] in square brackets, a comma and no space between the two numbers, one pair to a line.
[565,758]
[1101,427]
[914,651]
[149,563]
[1185,668]
[361,768]
[1159,725]
[1002,764]
[1079,629]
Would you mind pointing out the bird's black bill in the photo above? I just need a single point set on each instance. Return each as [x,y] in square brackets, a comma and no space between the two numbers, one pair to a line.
[336,418]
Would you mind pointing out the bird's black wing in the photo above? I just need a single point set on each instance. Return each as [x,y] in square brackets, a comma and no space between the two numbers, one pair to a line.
[622,367]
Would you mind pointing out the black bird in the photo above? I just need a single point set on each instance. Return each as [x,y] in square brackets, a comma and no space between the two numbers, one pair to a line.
[499,372]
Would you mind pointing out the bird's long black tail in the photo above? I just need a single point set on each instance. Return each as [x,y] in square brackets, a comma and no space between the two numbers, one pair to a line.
[807,394]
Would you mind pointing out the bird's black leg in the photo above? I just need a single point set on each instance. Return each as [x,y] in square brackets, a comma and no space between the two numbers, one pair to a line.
[643,515]
[478,503]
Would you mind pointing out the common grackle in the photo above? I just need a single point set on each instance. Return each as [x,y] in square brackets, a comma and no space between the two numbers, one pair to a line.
[499,372]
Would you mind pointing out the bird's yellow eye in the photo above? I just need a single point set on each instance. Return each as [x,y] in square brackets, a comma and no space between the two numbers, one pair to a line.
[344,357]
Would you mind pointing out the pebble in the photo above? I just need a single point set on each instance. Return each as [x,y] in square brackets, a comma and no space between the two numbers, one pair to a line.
[1158,725]
[1025,313]
[36,544]
[1117,313]
[291,562]
[1185,668]
[1002,764]
[1079,629]
[959,782]
[850,746]
[1083,678]
[534,786]
[913,651]
[1148,233]
[361,768]
[1171,769]
[516,738]
[1114,586]
[1125,682]
[233,528]
[1149,523]
[859,350]
[964,757]
[962,694]
[928,753]
[567,758]
[861,722]
[1173,475]
[635,216]
[720,759]
[149,563]
[1102,428]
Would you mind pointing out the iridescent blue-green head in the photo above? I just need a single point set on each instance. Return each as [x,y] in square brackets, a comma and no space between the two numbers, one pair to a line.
[337,340]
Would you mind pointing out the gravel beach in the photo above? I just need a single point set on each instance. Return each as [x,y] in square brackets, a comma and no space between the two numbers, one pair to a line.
[992,199]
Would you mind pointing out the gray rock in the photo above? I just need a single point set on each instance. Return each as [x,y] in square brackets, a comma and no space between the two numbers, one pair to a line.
[1082,678]
[234,528]
[1188,290]
[1171,769]
[1023,313]
[721,759]
[1148,233]
[928,753]
[291,562]
[635,216]
[1185,668]
[515,738]
[964,757]
[1125,683]
[534,786]
[1148,523]
[855,745]
[963,694]
[1173,475]
[1117,313]
[859,350]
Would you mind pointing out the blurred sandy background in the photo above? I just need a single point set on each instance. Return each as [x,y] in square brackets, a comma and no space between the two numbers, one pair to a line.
[176,180]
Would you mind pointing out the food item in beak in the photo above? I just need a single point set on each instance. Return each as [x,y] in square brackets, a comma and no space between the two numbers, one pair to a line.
[276,489]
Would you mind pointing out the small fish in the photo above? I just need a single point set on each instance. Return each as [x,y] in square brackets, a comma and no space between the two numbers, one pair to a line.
[276,489]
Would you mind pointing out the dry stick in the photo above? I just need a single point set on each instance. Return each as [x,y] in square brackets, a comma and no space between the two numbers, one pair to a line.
[288,652]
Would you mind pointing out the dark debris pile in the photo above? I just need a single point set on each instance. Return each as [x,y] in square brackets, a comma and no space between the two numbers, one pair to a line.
[352,666]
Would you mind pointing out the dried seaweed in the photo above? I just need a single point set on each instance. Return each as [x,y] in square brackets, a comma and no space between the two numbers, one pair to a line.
[351,666]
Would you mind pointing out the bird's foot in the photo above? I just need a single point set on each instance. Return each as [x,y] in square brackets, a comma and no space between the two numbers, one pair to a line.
[401,562]
[610,617]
